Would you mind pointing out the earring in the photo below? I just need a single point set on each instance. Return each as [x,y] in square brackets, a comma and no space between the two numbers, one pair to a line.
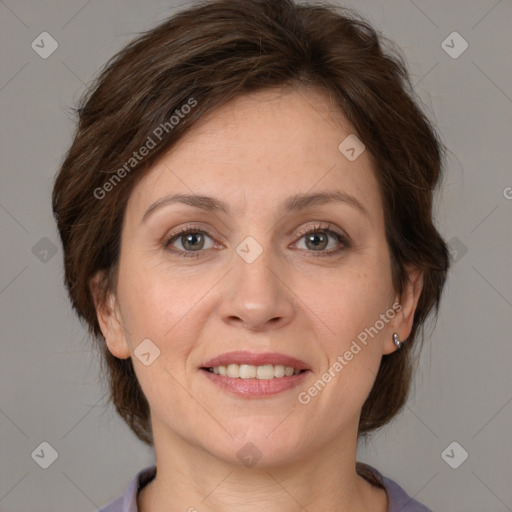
[396,341]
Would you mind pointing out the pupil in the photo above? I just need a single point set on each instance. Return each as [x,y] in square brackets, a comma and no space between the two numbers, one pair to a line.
[314,239]
[191,239]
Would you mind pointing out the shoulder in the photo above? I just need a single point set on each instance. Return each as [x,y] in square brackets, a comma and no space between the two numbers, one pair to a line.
[128,501]
[399,500]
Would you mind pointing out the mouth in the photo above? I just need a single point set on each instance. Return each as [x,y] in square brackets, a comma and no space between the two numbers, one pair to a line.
[250,375]
[250,371]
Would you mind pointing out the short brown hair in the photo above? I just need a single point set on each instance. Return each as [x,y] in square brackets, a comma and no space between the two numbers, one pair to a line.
[212,53]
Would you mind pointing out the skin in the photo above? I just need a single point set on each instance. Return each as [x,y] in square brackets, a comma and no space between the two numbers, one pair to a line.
[253,153]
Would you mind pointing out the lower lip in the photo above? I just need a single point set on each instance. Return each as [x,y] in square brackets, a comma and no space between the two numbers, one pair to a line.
[256,388]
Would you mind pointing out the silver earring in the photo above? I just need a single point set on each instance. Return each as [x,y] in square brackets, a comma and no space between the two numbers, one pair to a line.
[396,340]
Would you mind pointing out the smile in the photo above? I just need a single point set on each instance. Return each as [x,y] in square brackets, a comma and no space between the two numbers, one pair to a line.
[249,371]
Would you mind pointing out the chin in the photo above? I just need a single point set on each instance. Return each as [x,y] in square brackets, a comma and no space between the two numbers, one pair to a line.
[259,449]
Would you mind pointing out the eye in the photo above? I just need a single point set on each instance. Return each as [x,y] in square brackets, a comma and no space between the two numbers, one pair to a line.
[191,240]
[319,238]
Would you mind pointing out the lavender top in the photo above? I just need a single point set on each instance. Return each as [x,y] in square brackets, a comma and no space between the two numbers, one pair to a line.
[399,501]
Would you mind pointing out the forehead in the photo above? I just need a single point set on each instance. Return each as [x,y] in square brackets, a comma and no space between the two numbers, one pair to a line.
[257,150]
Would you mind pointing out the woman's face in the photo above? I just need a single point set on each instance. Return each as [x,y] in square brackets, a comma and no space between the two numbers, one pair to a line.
[248,278]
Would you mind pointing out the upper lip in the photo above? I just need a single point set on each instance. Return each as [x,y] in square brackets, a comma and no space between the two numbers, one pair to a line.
[244,357]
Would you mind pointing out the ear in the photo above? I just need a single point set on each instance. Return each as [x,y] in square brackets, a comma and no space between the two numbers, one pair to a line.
[109,319]
[408,300]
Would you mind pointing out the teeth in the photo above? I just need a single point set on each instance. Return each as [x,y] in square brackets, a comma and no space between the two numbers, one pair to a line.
[232,370]
[265,372]
[279,370]
[249,371]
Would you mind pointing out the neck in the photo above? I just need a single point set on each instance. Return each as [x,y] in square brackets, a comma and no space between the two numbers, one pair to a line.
[191,479]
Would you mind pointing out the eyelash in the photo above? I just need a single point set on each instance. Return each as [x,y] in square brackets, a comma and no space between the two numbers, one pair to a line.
[319,228]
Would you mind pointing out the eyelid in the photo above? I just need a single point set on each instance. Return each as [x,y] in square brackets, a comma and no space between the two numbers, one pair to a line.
[342,238]
[172,237]
[321,226]
[190,227]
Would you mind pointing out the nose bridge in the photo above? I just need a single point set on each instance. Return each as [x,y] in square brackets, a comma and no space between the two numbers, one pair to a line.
[256,294]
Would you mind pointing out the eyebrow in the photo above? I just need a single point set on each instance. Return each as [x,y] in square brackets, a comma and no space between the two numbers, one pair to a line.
[294,203]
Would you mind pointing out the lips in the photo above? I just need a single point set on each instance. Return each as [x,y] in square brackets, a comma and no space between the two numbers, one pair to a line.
[251,358]
[249,375]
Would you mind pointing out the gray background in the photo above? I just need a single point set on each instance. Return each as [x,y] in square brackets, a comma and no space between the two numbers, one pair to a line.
[50,390]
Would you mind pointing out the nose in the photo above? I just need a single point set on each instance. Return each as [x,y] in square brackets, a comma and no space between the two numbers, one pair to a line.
[256,295]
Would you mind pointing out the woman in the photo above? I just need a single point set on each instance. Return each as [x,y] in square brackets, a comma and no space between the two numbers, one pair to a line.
[246,218]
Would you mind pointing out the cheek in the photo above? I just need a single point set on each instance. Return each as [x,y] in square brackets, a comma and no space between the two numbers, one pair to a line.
[347,312]
[154,301]
[168,316]
[347,301]
[169,311]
